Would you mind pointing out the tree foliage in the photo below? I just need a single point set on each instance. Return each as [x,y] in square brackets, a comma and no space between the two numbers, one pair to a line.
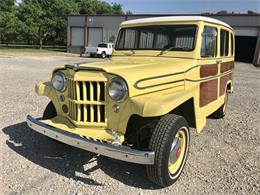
[45,21]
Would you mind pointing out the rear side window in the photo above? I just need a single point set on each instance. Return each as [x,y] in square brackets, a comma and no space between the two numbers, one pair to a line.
[209,42]
[232,43]
[103,45]
[224,42]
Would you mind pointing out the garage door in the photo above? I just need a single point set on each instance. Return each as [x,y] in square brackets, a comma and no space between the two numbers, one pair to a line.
[95,36]
[245,48]
[77,36]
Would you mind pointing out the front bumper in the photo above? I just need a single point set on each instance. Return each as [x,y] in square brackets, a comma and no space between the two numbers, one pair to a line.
[116,152]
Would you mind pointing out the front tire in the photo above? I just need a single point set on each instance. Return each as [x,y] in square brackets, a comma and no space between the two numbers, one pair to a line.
[170,142]
[49,111]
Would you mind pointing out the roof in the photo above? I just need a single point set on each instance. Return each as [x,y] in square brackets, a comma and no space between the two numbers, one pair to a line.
[175,19]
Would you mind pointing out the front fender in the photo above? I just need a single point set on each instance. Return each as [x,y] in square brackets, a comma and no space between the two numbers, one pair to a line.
[160,103]
[46,89]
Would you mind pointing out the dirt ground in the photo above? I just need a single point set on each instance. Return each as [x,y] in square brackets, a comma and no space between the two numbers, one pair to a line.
[223,159]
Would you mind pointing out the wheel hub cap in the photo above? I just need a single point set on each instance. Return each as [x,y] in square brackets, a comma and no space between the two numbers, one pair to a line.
[175,151]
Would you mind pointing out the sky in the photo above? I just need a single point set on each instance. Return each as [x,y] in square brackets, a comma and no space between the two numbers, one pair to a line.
[187,6]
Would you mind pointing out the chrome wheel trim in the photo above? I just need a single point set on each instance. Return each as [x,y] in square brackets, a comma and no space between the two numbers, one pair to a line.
[175,145]
[185,155]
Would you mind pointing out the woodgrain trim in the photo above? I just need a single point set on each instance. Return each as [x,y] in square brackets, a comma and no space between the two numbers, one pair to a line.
[223,83]
[224,67]
[208,70]
[208,92]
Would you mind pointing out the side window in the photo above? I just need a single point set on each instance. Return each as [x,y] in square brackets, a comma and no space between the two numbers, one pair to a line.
[232,44]
[224,42]
[209,42]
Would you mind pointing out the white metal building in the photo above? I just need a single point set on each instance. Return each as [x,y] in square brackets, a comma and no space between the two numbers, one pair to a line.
[90,30]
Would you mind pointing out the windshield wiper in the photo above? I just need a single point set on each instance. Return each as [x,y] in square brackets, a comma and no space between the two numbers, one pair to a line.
[173,47]
[166,50]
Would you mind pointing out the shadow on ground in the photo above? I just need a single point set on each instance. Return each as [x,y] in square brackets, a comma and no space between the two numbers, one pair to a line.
[66,160]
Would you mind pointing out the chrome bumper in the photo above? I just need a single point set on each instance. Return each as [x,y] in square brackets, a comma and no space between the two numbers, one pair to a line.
[116,152]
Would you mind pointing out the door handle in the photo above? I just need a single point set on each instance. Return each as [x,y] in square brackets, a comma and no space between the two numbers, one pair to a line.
[218,61]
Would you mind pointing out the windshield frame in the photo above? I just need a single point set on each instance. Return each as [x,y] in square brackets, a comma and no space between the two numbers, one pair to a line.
[156,49]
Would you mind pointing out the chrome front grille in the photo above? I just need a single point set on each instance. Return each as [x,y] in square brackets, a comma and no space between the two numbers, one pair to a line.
[87,102]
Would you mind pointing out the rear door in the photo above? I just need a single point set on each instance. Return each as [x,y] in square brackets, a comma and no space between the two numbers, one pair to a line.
[208,64]
[216,62]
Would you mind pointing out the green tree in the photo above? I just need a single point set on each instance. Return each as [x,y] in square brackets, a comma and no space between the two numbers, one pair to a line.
[98,7]
[45,20]
[129,13]
[222,12]
[6,5]
[9,22]
[251,12]
[117,8]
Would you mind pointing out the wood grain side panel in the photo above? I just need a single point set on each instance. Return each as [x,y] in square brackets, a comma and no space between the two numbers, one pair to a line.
[223,83]
[226,66]
[208,92]
[208,70]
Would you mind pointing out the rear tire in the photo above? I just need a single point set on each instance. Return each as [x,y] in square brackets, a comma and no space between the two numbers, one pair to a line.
[170,142]
[49,111]
[221,111]
[103,55]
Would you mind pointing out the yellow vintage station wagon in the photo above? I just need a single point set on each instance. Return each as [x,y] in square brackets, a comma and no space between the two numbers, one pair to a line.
[166,74]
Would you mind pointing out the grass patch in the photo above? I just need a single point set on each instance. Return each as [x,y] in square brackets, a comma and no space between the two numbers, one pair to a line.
[9,51]
[31,50]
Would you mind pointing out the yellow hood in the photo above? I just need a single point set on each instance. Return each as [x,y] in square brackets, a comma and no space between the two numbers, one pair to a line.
[144,74]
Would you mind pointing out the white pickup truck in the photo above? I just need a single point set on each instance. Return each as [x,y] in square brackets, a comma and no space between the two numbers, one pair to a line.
[102,50]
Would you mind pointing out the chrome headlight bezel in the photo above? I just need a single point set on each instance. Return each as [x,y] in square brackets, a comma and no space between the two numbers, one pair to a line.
[120,94]
[59,81]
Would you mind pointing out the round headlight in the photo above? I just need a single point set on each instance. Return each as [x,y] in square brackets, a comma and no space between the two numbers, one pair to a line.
[59,81]
[117,89]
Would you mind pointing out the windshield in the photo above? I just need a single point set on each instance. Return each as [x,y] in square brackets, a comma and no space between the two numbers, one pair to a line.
[172,37]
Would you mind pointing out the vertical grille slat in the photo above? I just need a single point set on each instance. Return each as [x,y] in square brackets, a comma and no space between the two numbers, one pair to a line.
[98,114]
[98,91]
[91,113]
[87,102]
[85,116]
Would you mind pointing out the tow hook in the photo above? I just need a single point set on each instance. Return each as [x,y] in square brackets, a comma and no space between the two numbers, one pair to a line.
[116,142]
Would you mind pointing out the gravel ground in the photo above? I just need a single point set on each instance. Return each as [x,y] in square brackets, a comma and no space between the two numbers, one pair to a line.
[223,159]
